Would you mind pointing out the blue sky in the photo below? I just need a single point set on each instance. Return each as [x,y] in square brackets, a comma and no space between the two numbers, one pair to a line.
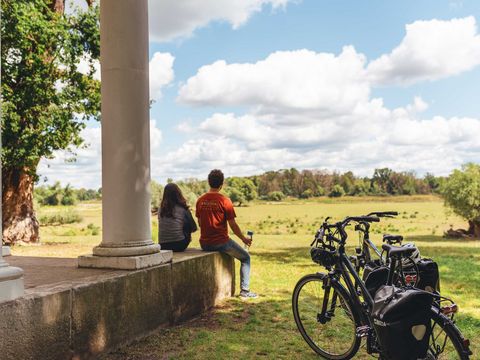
[414,110]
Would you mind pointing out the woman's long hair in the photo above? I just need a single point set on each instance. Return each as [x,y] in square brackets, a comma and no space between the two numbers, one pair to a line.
[172,195]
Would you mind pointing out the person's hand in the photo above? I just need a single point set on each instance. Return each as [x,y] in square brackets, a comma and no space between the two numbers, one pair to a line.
[247,240]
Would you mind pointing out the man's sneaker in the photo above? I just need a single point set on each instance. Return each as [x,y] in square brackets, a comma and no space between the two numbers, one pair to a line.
[247,294]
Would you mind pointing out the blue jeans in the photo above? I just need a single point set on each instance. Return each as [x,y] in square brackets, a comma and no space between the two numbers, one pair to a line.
[233,249]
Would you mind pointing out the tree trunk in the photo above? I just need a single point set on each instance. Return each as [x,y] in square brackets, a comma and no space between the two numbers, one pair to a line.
[19,221]
[474,228]
[58,6]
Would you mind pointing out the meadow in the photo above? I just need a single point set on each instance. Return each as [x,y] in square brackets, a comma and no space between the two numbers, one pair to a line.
[264,328]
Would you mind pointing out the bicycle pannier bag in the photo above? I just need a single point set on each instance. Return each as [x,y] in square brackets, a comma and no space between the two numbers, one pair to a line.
[402,320]
[374,276]
[429,278]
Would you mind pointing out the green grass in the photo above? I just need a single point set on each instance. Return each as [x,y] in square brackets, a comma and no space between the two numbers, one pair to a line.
[264,328]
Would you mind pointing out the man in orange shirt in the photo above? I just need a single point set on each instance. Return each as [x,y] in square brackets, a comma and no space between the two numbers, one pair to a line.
[214,211]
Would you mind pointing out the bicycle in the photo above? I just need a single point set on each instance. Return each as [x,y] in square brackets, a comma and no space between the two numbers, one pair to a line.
[363,260]
[333,315]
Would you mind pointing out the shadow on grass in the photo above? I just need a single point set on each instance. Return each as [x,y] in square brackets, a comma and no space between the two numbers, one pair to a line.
[285,255]
[439,238]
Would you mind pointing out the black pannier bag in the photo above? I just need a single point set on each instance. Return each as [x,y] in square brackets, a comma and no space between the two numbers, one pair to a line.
[402,320]
[374,276]
[428,274]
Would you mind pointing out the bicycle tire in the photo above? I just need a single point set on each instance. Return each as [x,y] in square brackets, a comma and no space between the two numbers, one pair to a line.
[454,335]
[346,309]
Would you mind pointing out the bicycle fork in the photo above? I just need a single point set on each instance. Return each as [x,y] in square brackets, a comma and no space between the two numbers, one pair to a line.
[326,315]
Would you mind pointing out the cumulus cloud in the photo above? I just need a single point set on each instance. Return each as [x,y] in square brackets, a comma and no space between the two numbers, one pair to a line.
[170,19]
[84,171]
[284,81]
[316,110]
[161,73]
[397,138]
[82,167]
[430,50]
[87,65]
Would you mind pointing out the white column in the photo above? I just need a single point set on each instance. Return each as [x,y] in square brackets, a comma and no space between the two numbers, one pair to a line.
[11,278]
[125,139]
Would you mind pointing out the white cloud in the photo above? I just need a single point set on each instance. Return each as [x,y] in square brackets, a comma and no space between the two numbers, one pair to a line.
[86,65]
[285,81]
[184,127]
[171,19]
[247,145]
[161,73]
[86,170]
[430,50]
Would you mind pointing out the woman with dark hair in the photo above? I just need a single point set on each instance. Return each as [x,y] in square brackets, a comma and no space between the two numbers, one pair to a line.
[175,222]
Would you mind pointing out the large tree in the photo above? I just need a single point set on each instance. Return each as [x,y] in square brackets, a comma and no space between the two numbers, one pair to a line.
[46,97]
[462,193]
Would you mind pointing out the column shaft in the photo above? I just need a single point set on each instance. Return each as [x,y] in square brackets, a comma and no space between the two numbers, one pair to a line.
[125,129]
[127,239]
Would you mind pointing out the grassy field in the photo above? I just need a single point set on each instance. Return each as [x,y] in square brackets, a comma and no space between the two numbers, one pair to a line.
[264,328]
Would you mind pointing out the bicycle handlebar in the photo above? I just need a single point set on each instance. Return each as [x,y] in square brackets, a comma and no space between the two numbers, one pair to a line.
[383,213]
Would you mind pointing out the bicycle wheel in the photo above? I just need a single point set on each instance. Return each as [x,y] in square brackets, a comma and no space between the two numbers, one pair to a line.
[446,341]
[325,317]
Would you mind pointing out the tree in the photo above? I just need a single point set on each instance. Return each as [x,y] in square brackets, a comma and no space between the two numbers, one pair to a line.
[46,99]
[241,189]
[156,193]
[236,196]
[461,192]
[381,181]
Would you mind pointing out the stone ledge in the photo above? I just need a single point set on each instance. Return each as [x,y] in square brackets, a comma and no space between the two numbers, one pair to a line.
[80,318]
[125,262]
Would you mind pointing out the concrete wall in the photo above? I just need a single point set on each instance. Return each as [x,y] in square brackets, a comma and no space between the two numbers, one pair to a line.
[77,321]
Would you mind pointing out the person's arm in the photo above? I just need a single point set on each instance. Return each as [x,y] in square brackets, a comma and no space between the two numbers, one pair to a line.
[192,225]
[236,230]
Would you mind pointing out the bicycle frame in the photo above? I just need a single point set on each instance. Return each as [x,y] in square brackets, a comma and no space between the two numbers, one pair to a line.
[346,270]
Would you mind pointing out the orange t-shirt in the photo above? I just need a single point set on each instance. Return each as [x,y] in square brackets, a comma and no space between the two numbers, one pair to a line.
[213,210]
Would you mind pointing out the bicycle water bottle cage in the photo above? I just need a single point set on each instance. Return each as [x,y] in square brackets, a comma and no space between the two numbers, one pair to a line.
[392,239]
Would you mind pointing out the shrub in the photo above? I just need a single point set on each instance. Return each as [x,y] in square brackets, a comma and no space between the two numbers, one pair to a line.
[61,218]
[306,194]
[337,191]
[275,196]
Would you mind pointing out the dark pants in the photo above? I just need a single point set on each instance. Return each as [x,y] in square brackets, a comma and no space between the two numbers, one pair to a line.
[176,246]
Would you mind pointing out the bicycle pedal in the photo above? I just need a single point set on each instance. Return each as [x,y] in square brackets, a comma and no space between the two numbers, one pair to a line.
[363,331]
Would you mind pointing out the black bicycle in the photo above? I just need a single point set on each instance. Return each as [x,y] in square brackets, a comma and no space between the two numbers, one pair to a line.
[333,310]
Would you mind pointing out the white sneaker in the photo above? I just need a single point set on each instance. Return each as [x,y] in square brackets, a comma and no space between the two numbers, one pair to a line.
[247,294]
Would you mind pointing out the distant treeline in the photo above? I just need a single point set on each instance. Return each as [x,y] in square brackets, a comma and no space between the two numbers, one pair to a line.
[273,186]
[57,195]
[304,184]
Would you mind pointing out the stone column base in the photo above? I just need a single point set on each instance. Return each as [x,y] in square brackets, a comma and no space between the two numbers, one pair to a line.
[11,283]
[125,262]
[6,250]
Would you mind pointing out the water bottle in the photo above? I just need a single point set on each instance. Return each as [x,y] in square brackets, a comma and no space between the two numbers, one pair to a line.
[250,235]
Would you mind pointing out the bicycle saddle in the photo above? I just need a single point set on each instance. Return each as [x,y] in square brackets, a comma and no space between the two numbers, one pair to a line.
[398,250]
[392,238]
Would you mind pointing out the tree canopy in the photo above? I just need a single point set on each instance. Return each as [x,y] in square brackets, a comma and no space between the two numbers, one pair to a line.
[462,193]
[45,96]
[48,92]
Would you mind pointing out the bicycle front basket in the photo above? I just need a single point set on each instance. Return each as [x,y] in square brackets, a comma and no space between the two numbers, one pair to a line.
[323,256]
